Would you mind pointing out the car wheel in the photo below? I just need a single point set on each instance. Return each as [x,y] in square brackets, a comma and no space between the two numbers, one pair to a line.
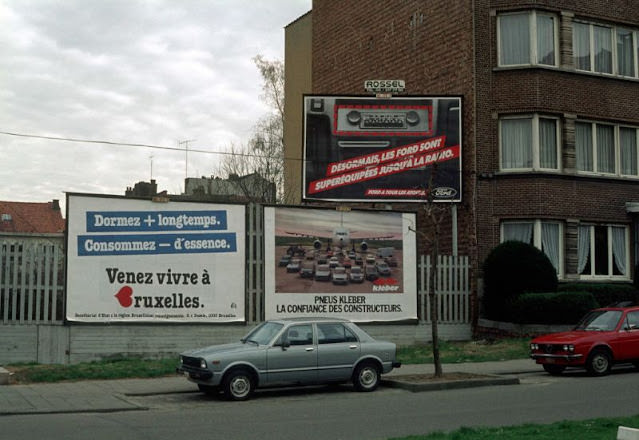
[555,370]
[238,384]
[366,376]
[208,389]
[598,363]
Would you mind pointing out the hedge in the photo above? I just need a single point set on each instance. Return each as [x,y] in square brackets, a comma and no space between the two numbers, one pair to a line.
[605,293]
[552,308]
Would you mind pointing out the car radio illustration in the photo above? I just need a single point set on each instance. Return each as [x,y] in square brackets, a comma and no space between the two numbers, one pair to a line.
[371,149]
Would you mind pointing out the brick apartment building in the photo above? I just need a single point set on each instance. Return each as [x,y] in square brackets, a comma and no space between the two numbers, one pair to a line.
[550,92]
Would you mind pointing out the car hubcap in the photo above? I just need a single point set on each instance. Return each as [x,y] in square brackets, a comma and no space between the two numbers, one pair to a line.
[368,377]
[600,363]
[240,386]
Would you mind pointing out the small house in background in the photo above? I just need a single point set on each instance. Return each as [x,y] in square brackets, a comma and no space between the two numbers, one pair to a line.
[31,264]
[31,218]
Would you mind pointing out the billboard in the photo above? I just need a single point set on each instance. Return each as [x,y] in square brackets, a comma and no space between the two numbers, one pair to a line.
[381,149]
[359,265]
[132,260]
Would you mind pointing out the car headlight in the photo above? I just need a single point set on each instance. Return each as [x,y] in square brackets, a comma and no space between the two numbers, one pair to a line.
[569,347]
[534,347]
[202,363]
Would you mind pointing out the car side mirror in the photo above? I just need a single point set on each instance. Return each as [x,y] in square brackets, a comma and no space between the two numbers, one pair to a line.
[284,343]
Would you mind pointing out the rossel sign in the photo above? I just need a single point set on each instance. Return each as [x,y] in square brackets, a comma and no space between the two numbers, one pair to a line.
[384,85]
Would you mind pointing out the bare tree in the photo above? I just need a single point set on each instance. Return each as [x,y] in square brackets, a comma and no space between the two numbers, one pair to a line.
[435,214]
[263,154]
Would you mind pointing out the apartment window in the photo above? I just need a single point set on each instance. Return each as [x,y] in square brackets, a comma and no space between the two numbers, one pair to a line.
[599,146]
[625,52]
[527,38]
[529,142]
[605,49]
[603,251]
[544,235]
[628,150]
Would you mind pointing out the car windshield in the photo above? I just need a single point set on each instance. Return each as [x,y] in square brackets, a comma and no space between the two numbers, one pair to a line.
[264,333]
[600,320]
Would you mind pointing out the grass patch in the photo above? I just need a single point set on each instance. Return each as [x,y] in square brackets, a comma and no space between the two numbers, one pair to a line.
[451,352]
[467,351]
[593,429]
[108,369]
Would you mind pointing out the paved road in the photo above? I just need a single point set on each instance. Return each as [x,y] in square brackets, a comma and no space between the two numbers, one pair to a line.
[338,413]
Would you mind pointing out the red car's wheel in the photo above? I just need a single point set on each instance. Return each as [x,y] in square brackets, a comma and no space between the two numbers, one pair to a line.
[599,362]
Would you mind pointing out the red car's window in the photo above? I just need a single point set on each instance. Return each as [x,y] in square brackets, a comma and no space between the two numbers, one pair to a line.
[600,320]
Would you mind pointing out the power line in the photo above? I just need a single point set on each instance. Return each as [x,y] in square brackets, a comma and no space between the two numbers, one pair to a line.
[126,144]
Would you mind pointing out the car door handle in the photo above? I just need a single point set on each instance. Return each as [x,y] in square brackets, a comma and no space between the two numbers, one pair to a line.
[353,347]
[310,349]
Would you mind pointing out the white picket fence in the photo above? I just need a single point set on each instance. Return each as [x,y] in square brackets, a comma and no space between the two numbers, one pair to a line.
[31,279]
[452,286]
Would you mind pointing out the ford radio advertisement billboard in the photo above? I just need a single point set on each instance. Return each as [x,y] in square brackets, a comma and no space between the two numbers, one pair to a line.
[382,149]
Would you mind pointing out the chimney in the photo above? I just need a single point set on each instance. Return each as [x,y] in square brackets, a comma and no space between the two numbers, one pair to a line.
[56,205]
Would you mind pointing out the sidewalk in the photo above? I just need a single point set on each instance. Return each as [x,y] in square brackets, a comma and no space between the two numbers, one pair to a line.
[111,395]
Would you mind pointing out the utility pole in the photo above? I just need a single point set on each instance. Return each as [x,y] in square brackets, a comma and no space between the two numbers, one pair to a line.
[186,158]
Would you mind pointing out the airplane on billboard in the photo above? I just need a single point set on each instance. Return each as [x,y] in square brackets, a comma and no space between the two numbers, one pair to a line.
[340,238]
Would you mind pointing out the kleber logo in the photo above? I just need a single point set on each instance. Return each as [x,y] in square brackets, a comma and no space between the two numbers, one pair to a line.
[174,301]
[444,192]
[385,285]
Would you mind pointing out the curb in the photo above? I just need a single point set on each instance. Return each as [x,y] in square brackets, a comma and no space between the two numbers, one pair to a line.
[491,380]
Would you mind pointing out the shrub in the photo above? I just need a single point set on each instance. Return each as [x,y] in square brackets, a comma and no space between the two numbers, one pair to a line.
[552,308]
[604,293]
[513,268]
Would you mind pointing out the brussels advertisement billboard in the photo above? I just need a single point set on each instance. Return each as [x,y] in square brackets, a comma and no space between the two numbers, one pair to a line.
[131,260]
[382,149]
[359,265]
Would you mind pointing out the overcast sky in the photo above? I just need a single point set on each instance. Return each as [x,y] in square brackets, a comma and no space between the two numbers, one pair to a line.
[153,72]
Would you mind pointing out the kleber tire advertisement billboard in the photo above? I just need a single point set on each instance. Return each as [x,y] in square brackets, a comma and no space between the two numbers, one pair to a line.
[359,265]
[132,260]
[372,149]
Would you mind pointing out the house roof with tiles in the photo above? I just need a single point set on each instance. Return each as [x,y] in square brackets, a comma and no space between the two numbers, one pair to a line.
[31,217]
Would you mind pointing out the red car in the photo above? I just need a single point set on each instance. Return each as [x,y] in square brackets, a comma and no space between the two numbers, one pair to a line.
[604,337]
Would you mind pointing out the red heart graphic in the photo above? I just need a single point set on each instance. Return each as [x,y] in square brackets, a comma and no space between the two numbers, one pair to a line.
[124,296]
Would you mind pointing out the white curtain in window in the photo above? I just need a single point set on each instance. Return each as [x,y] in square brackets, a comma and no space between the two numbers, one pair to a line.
[628,148]
[605,148]
[619,247]
[603,49]
[625,53]
[550,242]
[516,143]
[545,39]
[518,232]
[583,247]
[547,143]
[583,146]
[514,39]
[581,45]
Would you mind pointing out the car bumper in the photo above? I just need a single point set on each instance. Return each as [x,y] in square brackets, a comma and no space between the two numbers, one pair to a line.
[559,359]
[195,374]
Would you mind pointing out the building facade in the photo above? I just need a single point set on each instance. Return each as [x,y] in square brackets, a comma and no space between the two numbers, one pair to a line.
[550,116]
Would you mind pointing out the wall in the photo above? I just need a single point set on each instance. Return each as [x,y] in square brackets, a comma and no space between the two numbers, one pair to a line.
[57,344]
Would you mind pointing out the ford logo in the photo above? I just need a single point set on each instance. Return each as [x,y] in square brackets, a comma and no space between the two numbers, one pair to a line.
[444,192]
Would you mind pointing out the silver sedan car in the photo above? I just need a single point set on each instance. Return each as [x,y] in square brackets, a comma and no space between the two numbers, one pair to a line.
[298,351]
